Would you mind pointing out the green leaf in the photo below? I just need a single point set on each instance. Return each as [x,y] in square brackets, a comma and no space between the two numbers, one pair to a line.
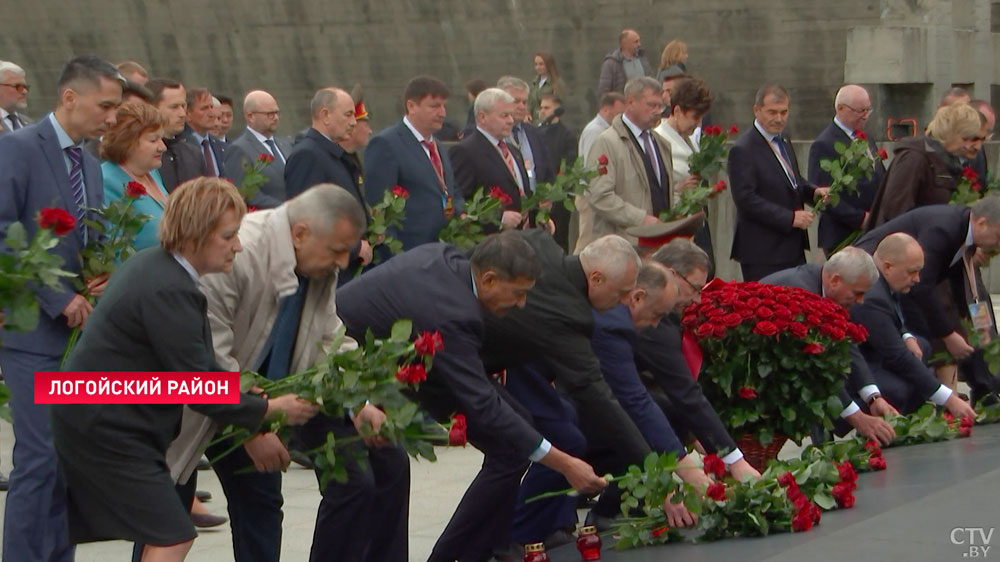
[824,500]
[401,331]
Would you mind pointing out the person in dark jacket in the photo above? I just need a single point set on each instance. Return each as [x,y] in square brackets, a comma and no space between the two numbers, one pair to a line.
[624,63]
[181,161]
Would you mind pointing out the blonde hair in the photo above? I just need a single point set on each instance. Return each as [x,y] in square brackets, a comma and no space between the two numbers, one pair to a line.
[957,119]
[193,212]
[672,53]
[134,118]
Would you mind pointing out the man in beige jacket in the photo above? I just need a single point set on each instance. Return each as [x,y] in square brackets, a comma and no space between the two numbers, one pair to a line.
[636,186]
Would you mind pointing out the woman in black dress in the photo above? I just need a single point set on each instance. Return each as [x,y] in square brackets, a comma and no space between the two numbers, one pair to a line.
[152,317]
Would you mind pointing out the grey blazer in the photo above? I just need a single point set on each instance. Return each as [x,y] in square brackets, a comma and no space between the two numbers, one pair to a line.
[247,149]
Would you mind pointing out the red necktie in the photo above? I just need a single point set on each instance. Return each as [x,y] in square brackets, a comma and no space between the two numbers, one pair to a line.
[511,167]
[436,162]
[209,165]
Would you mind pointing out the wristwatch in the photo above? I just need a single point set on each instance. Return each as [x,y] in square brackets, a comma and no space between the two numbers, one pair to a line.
[873,397]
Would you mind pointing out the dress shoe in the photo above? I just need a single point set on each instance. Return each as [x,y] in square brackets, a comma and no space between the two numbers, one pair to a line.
[204,520]
[203,495]
[4,483]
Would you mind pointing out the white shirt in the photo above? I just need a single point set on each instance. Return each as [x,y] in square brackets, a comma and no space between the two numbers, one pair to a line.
[420,138]
[589,134]
[789,173]
[263,140]
[680,151]
[187,267]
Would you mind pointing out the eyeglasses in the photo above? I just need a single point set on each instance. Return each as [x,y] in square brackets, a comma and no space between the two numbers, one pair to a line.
[20,87]
[697,290]
[274,113]
[863,110]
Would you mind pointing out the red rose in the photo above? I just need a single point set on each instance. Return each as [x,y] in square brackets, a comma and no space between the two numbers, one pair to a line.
[964,431]
[602,170]
[765,328]
[58,220]
[134,189]
[857,332]
[457,434]
[847,472]
[976,186]
[877,463]
[883,154]
[265,157]
[969,174]
[764,312]
[428,343]
[720,186]
[837,333]
[798,329]
[813,348]
[705,330]
[817,513]
[714,465]
[814,320]
[859,134]
[251,208]
[871,444]
[497,193]
[733,130]
[412,374]
[400,191]
[602,160]
[747,392]
[787,479]
[719,331]
[803,521]
[732,319]
[843,494]
[966,421]
[716,491]
[660,531]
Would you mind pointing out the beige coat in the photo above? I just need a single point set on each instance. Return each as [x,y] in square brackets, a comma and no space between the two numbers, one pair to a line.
[242,307]
[619,199]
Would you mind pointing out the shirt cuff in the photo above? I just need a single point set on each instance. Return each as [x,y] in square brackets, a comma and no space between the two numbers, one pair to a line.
[907,335]
[867,391]
[941,396]
[850,410]
[543,449]
[733,457]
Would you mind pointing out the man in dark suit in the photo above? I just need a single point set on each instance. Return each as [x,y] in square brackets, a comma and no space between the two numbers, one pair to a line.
[318,158]
[526,137]
[407,154]
[440,289]
[844,279]
[201,118]
[769,192]
[561,144]
[483,159]
[262,116]
[44,165]
[181,161]
[853,106]
[13,97]
[949,236]
[892,352]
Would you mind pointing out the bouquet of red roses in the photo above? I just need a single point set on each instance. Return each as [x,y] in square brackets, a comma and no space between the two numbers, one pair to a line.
[774,357]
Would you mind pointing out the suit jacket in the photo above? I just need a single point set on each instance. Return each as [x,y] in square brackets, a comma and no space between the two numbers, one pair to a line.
[478,164]
[922,173]
[181,162]
[555,328]
[247,148]
[432,286]
[218,149]
[810,278]
[395,157]
[544,171]
[658,352]
[885,349]
[941,231]
[152,317]
[5,123]
[561,145]
[622,198]
[614,343]
[33,176]
[317,159]
[766,203]
[840,220]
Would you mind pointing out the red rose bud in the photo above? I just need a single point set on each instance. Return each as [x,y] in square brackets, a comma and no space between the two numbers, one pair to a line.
[602,160]
[949,418]
[967,421]
[787,479]
[497,193]
[265,157]
[883,154]
[733,130]
[877,463]
[705,330]
[803,521]
[859,134]
[412,374]
[602,170]
[876,452]
[813,348]
[969,174]
[842,493]
[135,189]
[428,343]
[58,220]
[765,328]
[660,531]
[872,444]
[714,465]
[457,434]
[794,493]
[400,191]
[846,472]
[747,392]
[976,186]
[716,491]
[817,513]
[964,431]
[720,186]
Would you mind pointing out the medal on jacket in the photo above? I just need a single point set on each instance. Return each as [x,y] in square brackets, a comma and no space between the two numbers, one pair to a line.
[449,206]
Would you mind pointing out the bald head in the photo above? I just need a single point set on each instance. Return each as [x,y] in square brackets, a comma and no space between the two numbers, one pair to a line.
[261,112]
[900,258]
[333,113]
[853,106]
[628,41]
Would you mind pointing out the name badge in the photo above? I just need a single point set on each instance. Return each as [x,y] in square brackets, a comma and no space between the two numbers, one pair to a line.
[980,315]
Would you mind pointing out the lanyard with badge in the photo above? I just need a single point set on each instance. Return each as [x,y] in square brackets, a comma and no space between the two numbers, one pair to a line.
[979,311]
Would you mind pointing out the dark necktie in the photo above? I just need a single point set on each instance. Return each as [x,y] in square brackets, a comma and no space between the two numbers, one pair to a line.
[286,331]
[511,166]
[274,150]
[75,154]
[206,148]
[787,162]
[651,155]
[15,123]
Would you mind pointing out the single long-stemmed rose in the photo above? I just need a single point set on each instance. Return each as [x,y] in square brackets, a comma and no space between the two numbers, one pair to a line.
[571,181]
[968,189]
[385,215]
[253,175]
[854,161]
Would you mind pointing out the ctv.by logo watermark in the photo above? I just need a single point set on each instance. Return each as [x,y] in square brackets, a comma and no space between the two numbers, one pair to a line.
[976,541]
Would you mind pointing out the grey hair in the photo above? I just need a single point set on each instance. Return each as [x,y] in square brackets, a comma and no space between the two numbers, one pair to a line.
[653,276]
[852,263]
[681,255]
[7,67]
[988,207]
[640,84]
[512,83]
[323,205]
[325,98]
[846,94]
[488,99]
[611,254]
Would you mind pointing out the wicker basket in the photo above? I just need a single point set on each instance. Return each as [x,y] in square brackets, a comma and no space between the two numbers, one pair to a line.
[758,454]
